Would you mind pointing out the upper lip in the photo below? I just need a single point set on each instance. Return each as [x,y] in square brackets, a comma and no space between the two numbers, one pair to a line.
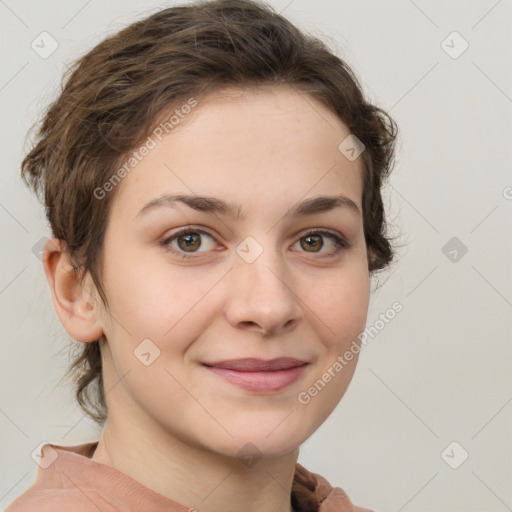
[258,365]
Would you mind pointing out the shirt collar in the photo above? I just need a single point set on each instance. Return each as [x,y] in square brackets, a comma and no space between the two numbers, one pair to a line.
[72,467]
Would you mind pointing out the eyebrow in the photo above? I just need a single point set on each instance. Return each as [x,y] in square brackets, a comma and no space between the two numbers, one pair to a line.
[235,210]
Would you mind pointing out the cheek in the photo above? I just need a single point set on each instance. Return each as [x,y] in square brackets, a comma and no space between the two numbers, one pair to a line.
[155,300]
[343,306]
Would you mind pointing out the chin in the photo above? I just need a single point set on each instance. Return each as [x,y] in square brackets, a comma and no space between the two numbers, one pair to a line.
[250,448]
[272,436]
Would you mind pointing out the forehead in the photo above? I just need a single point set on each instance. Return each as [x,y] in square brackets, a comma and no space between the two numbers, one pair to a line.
[253,146]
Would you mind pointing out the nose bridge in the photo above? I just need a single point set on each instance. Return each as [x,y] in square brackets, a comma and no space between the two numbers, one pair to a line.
[261,294]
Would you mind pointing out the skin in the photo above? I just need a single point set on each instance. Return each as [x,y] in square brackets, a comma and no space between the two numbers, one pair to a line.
[173,425]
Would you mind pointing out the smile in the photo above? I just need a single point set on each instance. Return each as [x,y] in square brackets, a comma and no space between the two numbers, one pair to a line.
[257,375]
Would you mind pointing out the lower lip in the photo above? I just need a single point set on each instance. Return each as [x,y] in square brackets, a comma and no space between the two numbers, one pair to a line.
[263,382]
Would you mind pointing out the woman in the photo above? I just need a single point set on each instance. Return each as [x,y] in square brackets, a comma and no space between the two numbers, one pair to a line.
[212,179]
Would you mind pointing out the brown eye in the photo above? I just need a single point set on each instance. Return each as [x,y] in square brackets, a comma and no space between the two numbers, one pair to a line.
[317,242]
[189,241]
[314,242]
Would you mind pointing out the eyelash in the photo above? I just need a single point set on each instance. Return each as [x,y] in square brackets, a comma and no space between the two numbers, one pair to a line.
[341,243]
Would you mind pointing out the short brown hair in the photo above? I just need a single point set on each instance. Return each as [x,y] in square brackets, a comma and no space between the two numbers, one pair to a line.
[113,97]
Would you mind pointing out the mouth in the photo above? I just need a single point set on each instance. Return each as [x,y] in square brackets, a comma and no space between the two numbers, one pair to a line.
[259,375]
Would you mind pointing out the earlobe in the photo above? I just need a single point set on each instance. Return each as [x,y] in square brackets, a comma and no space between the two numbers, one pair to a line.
[77,309]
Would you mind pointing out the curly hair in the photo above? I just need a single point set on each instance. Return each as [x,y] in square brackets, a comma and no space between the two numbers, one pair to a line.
[115,95]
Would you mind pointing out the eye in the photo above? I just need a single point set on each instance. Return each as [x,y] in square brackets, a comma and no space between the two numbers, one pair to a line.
[313,241]
[187,240]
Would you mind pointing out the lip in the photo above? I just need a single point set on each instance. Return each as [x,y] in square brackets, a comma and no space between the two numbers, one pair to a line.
[259,375]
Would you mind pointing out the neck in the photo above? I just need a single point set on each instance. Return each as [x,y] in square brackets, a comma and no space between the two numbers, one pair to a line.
[197,477]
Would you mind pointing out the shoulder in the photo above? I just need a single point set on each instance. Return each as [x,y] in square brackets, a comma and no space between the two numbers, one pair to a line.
[63,482]
[57,500]
[312,491]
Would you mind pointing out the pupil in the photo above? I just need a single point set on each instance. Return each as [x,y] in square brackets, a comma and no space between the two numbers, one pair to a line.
[313,240]
[189,241]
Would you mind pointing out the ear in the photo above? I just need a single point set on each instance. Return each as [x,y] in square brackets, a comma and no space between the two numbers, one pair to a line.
[73,298]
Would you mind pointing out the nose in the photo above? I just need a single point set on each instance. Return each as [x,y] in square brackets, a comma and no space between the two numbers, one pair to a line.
[261,296]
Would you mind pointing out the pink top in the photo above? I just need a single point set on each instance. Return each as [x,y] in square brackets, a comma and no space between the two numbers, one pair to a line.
[69,480]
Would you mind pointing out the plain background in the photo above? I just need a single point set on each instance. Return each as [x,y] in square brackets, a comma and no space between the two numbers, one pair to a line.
[440,370]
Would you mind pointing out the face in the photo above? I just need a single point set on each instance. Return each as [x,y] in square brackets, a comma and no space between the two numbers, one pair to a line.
[262,274]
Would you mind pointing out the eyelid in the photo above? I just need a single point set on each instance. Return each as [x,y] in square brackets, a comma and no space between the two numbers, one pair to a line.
[322,231]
